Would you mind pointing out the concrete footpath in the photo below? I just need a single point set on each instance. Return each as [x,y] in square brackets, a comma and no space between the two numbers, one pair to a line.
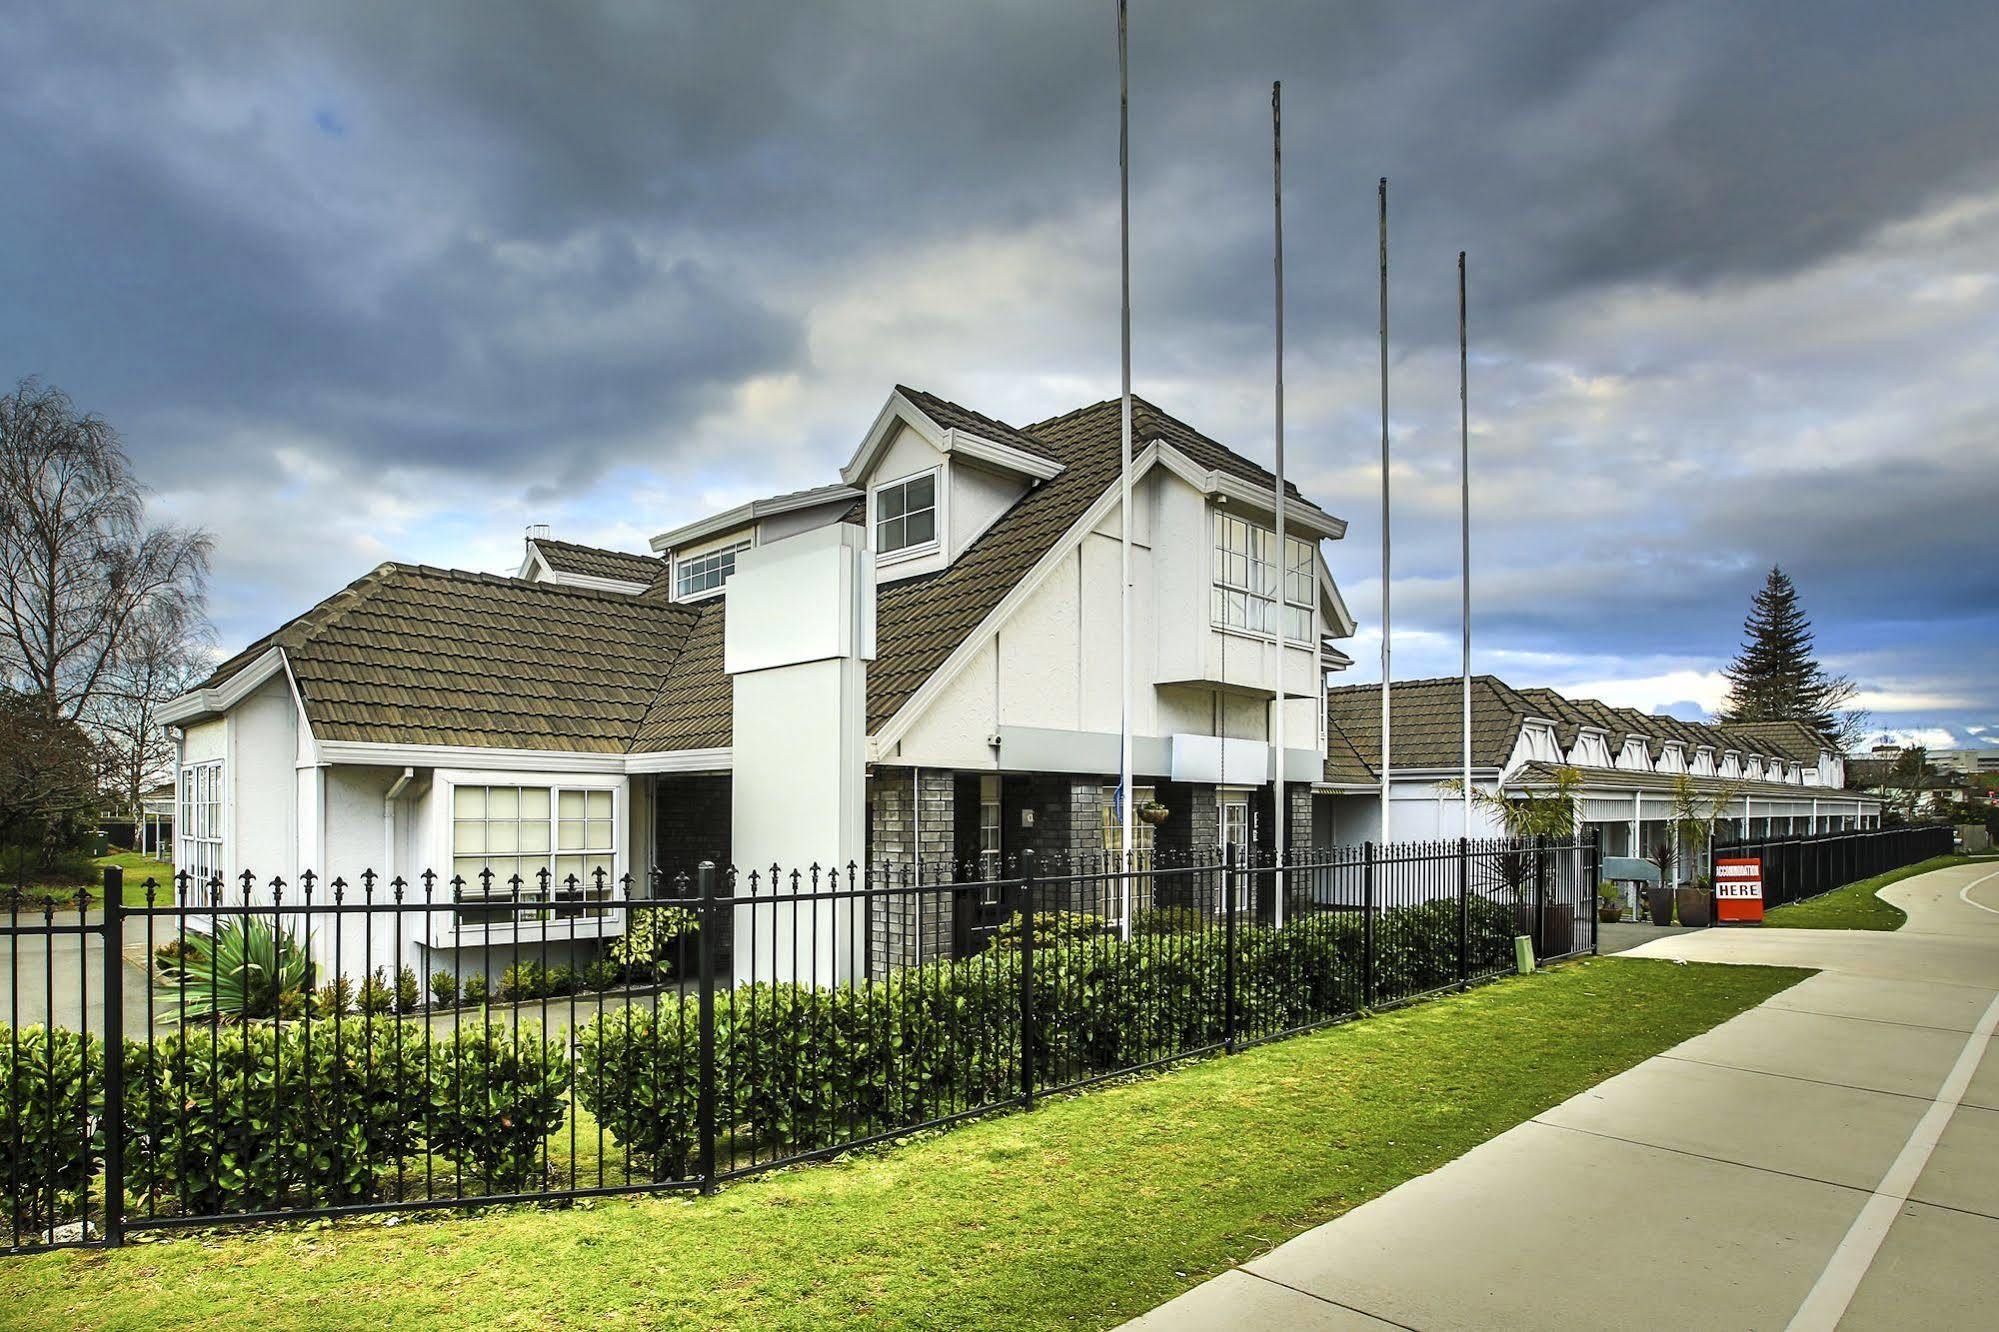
[1827,1159]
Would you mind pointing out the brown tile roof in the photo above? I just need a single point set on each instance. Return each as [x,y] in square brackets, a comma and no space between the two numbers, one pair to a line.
[1428,724]
[1568,718]
[1792,739]
[442,657]
[568,557]
[415,655]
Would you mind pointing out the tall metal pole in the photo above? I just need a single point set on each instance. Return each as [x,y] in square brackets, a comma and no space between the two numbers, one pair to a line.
[1464,522]
[1125,792]
[1283,556]
[1386,655]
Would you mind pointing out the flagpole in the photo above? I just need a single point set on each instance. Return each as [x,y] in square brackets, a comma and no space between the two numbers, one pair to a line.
[1464,522]
[1278,804]
[1125,792]
[1386,668]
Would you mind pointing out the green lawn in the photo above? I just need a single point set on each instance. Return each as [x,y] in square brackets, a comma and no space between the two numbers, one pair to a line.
[137,869]
[1855,906]
[1081,1214]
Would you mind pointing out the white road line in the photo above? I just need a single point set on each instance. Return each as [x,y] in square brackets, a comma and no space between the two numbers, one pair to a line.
[1964,893]
[1833,1292]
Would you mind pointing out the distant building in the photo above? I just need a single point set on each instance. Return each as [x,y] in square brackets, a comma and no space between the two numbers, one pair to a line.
[1968,761]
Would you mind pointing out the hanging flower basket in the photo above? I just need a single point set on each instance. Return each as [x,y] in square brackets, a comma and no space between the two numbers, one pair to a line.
[1153,812]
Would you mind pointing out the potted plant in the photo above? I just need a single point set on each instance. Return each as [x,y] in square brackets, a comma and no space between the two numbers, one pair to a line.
[1659,896]
[1153,812]
[1692,901]
[1609,907]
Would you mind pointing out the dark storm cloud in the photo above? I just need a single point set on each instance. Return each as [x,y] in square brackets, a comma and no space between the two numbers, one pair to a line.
[454,264]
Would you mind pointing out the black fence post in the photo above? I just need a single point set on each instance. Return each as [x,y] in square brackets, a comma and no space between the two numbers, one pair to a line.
[1540,895]
[704,1111]
[114,1055]
[1464,911]
[1230,857]
[1595,860]
[1367,927]
[1028,1033]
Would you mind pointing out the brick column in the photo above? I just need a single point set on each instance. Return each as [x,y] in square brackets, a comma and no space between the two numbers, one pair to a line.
[912,834]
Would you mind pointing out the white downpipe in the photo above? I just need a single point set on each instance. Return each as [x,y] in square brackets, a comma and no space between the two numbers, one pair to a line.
[389,820]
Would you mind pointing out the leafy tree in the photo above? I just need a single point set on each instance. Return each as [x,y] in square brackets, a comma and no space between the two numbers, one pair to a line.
[82,563]
[1777,677]
[48,780]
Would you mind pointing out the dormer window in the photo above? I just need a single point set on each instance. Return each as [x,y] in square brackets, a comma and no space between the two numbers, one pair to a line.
[702,574]
[906,514]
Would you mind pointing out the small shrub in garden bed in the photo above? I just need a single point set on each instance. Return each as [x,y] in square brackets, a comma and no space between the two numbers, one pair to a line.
[637,1073]
[51,1134]
[443,988]
[475,989]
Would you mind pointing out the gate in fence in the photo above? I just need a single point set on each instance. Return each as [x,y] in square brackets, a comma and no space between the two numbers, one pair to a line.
[208,1053]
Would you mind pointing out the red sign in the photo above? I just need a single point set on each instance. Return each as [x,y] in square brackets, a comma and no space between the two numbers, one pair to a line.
[1738,889]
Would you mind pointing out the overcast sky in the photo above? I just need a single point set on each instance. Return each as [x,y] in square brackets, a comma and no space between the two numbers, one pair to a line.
[375,282]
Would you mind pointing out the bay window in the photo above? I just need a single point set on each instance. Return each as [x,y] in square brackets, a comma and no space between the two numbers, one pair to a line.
[549,844]
[199,830]
[1247,587]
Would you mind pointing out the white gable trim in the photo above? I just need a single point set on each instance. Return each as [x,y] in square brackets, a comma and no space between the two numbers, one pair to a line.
[899,410]
[220,698]
[897,726]
[536,569]
[743,515]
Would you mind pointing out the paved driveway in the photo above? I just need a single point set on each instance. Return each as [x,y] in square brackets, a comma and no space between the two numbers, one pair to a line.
[1828,1159]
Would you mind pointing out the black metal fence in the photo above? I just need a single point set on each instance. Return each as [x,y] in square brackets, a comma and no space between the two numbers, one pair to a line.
[211,1053]
[1809,864]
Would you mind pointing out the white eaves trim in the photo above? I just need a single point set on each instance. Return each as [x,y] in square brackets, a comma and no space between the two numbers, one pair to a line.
[520,760]
[220,698]
[744,514]
[1004,456]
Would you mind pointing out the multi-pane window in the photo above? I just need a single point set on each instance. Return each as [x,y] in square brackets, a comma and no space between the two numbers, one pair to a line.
[1246,582]
[705,573]
[1141,831]
[906,514]
[989,825]
[506,839]
[200,831]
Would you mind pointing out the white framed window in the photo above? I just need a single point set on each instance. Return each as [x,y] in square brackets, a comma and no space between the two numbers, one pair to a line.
[1246,582]
[989,824]
[906,514]
[550,844]
[701,574]
[199,833]
[1142,833]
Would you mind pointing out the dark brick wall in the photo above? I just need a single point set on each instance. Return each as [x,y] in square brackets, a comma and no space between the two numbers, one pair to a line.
[912,832]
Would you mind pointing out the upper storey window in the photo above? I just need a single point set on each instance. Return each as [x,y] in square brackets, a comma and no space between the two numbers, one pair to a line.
[704,573]
[1246,584]
[906,514]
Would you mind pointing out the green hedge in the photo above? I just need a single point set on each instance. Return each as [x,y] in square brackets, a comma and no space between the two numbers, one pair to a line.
[805,1067]
[51,1134]
[244,1117]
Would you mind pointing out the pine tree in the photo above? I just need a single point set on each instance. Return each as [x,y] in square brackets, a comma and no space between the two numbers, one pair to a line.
[1776,676]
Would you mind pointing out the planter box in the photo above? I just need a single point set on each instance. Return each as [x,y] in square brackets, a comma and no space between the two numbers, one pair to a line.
[1659,905]
[1693,905]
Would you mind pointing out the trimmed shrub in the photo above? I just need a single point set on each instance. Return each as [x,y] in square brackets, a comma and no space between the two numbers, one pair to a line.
[444,988]
[376,994]
[409,995]
[1053,929]
[51,1135]
[475,988]
[495,1096]
[638,1073]
[602,974]
[224,1119]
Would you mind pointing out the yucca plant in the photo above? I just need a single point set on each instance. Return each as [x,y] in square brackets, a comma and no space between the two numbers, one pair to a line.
[249,968]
